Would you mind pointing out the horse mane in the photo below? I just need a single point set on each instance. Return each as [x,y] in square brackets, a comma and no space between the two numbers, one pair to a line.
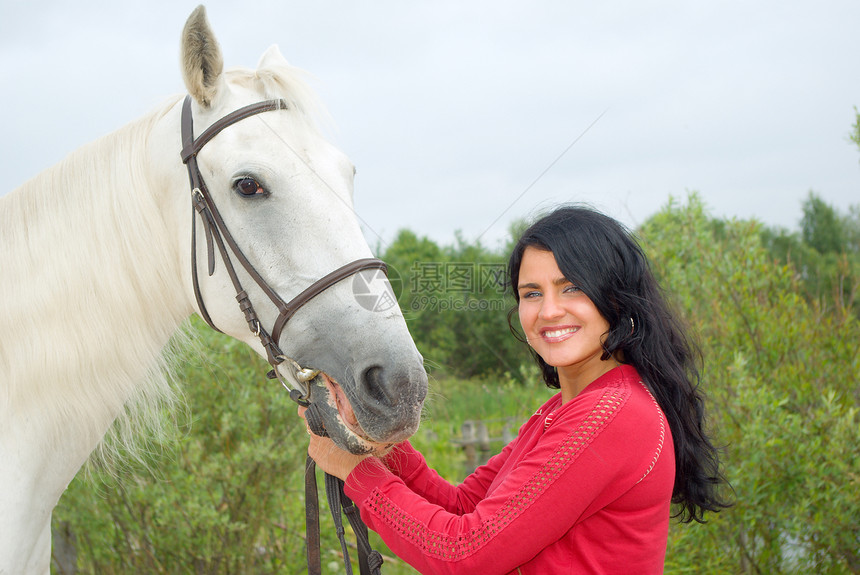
[71,239]
[87,324]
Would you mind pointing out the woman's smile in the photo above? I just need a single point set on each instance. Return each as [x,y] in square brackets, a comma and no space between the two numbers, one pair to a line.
[558,334]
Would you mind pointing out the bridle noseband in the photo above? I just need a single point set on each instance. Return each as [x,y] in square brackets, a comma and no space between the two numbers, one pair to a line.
[217,234]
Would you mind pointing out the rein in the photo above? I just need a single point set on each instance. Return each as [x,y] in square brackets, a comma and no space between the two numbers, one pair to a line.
[217,234]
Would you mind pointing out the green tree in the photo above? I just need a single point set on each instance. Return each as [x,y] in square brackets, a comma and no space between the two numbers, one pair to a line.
[456,305]
[825,252]
[821,226]
[419,263]
[855,129]
[222,498]
[782,376]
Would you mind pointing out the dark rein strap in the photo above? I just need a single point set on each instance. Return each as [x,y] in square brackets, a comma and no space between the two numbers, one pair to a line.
[369,561]
[217,233]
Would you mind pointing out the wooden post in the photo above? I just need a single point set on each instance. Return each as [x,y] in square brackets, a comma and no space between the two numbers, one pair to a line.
[468,432]
[483,440]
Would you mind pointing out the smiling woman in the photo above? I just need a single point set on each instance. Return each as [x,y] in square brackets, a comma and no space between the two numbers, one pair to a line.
[587,485]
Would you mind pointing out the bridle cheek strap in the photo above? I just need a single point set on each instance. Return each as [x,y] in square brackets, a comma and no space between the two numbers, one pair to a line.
[217,234]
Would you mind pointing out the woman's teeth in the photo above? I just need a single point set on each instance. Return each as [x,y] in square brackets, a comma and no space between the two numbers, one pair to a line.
[560,332]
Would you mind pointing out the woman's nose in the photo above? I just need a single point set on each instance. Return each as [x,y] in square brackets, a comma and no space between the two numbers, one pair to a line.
[550,308]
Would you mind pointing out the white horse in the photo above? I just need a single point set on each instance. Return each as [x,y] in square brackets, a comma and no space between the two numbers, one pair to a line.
[95,278]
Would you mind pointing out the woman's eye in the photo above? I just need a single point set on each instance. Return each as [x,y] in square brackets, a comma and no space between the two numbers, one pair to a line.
[572,289]
[249,187]
[530,295]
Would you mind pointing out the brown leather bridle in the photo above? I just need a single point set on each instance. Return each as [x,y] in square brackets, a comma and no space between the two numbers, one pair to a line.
[217,234]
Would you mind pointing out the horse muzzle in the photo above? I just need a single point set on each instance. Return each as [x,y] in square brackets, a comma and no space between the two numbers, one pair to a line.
[369,420]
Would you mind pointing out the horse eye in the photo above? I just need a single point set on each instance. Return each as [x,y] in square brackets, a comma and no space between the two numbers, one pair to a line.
[249,187]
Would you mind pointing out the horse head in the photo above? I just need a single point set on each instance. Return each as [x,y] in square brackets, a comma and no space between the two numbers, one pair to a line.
[285,195]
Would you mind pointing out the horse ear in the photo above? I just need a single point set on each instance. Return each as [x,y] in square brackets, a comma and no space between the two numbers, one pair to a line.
[271,58]
[202,62]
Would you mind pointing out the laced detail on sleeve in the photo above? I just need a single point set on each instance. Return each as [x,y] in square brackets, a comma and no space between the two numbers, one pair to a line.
[450,548]
[662,434]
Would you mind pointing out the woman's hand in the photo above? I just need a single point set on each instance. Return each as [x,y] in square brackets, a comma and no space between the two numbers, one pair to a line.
[329,457]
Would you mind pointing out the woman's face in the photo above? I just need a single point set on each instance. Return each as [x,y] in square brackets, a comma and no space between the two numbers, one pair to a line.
[561,323]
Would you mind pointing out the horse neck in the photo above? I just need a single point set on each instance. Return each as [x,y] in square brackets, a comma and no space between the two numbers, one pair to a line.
[92,291]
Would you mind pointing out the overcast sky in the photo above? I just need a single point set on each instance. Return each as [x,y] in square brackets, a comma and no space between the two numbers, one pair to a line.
[460,115]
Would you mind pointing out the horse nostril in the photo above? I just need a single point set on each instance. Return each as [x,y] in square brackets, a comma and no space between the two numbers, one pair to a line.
[388,401]
[373,382]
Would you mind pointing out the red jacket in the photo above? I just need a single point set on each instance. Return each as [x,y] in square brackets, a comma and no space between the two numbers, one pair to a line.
[584,488]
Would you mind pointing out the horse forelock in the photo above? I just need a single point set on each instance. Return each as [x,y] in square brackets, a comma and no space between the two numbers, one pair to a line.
[279,80]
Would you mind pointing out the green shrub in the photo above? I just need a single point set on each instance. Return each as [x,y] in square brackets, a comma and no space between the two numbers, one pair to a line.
[782,377]
[220,499]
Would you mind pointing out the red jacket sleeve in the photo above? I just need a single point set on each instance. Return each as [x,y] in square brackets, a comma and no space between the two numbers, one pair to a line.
[409,465]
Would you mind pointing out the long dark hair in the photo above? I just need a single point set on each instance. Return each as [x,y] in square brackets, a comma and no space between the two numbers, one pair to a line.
[598,255]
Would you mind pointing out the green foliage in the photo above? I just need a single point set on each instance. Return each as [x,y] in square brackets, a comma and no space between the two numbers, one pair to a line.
[821,227]
[782,378]
[825,253]
[455,303]
[221,499]
[855,129]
